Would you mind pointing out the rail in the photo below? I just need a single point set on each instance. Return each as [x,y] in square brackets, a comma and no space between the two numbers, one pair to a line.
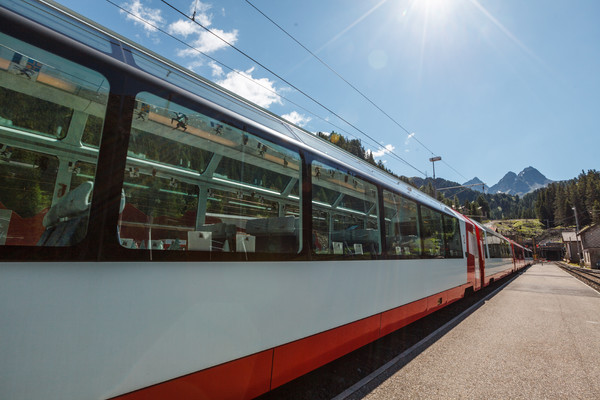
[590,277]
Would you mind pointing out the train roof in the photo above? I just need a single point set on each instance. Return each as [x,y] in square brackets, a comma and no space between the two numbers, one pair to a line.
[111,44]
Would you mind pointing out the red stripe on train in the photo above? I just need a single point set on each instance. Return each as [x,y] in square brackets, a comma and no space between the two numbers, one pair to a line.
[256,374]
[244,378]
[297,358]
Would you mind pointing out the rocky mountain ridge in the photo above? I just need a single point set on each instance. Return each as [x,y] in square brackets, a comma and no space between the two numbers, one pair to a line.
[524,182]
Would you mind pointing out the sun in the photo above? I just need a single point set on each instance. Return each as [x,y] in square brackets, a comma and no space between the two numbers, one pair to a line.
[435,9]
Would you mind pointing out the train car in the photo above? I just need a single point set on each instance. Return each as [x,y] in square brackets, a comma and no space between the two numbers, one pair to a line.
[163,237]
[499,256]
[522,255]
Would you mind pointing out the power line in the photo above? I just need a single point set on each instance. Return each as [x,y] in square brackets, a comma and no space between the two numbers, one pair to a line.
[452,168]
[256,83]
[348,83]
[289,83]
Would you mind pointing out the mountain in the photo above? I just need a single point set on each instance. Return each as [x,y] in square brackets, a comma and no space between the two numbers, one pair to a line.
[475,184]
[526,181]
[534,178]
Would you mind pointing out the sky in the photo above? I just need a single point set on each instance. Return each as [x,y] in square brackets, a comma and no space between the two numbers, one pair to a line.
[490,86]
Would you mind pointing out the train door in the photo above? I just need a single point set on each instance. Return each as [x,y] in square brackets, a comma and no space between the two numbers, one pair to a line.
[473,258]
[480,235]
[514,256]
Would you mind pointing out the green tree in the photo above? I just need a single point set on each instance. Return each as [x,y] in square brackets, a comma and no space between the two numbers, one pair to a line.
[482,205]
[596,212]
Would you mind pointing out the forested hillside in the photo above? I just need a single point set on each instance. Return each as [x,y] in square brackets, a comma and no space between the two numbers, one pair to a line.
[554,204]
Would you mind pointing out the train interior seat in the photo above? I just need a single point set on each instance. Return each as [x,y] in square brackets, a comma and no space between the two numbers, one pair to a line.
[66,221]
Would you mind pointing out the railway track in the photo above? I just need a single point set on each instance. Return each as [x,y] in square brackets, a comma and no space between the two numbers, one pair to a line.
[589,277]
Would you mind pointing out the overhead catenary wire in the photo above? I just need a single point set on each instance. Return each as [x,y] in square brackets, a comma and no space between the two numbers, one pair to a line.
[290,84]
[253,81]
[411,135]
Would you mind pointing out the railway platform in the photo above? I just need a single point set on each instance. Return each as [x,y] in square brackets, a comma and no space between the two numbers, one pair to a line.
[537,338]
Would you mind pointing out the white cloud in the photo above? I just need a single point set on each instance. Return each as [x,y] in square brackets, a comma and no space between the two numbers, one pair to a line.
[217,70]
[151,19]
[206,42]
[195,64]
[258,90]
[202,40]
[296,118]
[148,18]
[383,151]
[408,141]
[201,10]
[183,28]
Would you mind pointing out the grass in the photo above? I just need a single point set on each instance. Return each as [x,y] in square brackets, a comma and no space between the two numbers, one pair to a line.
[525,228]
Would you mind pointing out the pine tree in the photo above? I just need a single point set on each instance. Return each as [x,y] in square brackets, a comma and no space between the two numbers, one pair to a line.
[560,201]
[455,202]
[596,212]
[483,205]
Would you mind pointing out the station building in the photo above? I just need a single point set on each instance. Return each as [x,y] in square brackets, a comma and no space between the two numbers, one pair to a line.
[590,240]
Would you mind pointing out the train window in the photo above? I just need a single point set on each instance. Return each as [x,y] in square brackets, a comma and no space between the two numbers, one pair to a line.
[207,90]
[196,183]
[345,214]
[27,181]
[50,93]
[81,172]
[493,244]
[498,247]
[432,233]
[46,176]
[403,236]
[92,131]
[452,237]
[18,109]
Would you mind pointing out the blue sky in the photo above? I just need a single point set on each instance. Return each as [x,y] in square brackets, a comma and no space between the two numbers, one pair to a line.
[491,86]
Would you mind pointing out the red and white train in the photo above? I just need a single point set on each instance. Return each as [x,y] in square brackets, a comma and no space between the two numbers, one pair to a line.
[161,237]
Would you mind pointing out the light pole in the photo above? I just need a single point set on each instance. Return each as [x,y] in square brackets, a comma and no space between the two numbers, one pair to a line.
[579,248]
[433,160]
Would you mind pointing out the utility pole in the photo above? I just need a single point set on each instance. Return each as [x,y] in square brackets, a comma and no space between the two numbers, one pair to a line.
[433,160]
[579,244]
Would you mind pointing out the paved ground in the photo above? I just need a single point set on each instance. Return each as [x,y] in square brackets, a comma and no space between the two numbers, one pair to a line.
[539,338]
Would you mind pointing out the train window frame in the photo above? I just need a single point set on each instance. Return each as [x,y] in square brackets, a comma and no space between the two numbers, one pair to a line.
[367,243]
[46,77]
[265,146]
